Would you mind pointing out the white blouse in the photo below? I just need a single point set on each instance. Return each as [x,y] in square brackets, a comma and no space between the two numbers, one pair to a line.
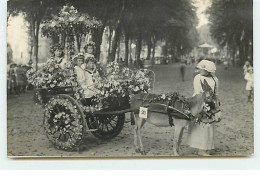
[197,84]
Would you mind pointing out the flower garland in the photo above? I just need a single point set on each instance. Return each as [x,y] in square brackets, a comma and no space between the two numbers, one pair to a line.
[201,119]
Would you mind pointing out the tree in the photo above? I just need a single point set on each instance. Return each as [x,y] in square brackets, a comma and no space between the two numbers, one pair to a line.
[231,24]
[9,54]
[109,12]
[34,11]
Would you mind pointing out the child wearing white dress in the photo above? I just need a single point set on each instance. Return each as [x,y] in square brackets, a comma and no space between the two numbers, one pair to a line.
[246,67]
[84,72]
[249,77]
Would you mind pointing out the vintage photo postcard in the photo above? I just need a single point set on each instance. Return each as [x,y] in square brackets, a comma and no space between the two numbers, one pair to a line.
[130,78]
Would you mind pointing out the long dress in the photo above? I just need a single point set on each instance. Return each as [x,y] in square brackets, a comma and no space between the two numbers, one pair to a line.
[201,136]
[249,77]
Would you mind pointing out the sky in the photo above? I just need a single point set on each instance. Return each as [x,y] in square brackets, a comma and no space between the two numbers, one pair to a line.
[202,5]
[17,37]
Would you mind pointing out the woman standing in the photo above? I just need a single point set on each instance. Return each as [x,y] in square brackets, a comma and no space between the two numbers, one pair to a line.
[201,136]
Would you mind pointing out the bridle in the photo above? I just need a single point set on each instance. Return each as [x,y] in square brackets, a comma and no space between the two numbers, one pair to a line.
[209,107]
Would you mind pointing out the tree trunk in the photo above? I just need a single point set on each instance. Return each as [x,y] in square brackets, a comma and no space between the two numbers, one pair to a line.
[126,48]
[109,41]
[117,33]
[241,55]
[153,45]
[149,48]
[97,38]
[130,48]
[166,48]
[118,49]
[138,48]
[78,40]
[246,43]
[31,51]
[115,42]
[37,43]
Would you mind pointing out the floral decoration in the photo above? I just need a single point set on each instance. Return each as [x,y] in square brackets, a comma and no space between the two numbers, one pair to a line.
[119,83]
[63,123]
[51,75]
[69,21]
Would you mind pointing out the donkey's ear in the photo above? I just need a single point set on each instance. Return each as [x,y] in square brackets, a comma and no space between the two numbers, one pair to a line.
[206,85]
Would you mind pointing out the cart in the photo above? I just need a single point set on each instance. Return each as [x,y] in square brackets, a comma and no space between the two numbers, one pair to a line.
[65,121]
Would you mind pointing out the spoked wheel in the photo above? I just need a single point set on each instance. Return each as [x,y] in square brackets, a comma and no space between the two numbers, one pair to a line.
[107,126]
[64,122]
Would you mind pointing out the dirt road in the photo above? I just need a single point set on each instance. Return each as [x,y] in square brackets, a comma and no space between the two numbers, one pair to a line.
[234,134]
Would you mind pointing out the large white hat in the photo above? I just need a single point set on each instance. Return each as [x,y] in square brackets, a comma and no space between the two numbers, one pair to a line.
[207,65]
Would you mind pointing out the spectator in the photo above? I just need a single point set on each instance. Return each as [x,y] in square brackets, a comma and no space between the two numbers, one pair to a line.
[182,71]
[246,67]
[249,77]
[12,78]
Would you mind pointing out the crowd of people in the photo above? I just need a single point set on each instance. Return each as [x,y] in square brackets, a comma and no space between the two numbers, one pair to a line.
[16,78]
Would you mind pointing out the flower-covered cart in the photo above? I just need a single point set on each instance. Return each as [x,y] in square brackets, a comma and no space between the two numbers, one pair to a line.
[66,117]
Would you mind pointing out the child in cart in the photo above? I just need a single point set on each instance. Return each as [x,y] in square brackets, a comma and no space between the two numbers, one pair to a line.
[85,67]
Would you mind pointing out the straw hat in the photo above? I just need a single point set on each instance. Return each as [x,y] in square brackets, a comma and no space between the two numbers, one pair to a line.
[207,65]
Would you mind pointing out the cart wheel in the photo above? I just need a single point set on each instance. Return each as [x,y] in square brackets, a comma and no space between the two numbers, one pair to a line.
[64,122]
[108,126]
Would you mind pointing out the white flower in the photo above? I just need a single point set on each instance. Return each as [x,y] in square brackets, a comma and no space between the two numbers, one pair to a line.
[81,18]
[53,24]
[72,18]
[163,96]
[136,88]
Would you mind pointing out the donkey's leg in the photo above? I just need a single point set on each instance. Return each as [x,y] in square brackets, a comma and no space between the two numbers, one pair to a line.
[177,132]
[180,139]
[137,149]
[139,124]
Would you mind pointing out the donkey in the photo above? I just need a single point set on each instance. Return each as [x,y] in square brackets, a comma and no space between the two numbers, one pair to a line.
[196,105]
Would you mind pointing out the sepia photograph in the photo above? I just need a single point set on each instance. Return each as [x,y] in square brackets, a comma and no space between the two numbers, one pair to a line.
[130,78]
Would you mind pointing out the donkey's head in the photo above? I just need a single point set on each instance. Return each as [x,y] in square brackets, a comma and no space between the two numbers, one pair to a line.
[205,99]
[211,106]
[208,92]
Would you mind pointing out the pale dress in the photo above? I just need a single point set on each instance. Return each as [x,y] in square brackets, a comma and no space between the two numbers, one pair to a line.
[85,80]
[249,77]
[201,136]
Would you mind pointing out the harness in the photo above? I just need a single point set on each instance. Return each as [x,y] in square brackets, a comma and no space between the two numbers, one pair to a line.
[168,108]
